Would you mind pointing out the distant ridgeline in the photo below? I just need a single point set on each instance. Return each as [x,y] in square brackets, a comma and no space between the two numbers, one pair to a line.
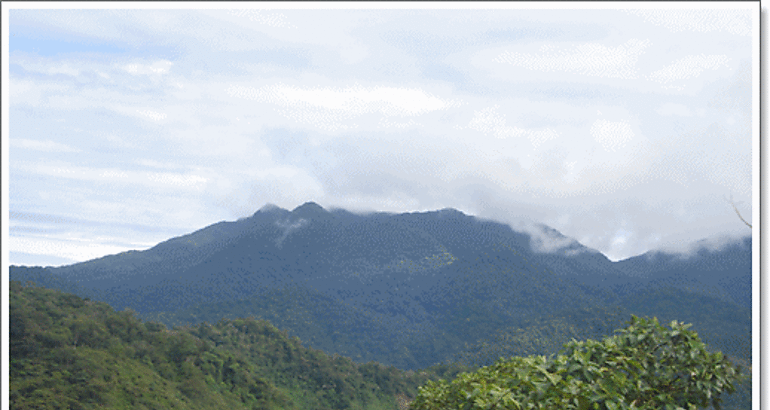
[416,289]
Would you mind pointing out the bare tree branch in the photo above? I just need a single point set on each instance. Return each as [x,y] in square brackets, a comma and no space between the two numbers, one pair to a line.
[738,213]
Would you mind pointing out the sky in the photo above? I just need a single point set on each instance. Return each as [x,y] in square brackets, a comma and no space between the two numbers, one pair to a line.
[626,126]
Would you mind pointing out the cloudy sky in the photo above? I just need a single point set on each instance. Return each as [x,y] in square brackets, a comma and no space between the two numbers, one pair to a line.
[625,127]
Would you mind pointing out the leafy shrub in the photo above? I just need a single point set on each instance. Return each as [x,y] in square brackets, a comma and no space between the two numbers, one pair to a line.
[646,367]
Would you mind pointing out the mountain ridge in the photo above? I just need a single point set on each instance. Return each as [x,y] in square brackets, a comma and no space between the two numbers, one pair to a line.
[388,281]
[311,210]
[273,233]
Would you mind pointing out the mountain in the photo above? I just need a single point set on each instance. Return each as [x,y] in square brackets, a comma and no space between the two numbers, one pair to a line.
[415,290]
[408,290]
[723,273]
[71,352]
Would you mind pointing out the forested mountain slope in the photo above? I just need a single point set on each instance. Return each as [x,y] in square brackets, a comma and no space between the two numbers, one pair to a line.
[722,273]
[410,290]
[67,352]
[81,354]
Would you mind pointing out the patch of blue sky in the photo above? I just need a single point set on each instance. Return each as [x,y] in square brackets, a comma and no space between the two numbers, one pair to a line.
[448,74]
[49,47]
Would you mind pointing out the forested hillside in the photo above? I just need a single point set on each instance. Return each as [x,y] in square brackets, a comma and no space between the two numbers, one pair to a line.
[81,354]
[67,352]
[411,290]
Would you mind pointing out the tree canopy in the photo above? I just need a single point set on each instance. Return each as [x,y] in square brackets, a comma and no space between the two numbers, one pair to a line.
[647,366]
[69,352]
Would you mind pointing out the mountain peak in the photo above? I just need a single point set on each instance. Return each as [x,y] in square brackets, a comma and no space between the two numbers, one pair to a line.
[310,210]
[269,208]
[450,213]
[309,206]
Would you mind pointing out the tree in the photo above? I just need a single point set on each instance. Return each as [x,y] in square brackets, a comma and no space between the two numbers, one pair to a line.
[646,367]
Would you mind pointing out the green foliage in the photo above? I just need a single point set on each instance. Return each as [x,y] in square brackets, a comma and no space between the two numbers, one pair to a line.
[646,367]
[497,302]
[66,347]
[67,352]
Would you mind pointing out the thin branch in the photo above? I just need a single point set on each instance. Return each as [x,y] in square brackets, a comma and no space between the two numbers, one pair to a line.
[738,213]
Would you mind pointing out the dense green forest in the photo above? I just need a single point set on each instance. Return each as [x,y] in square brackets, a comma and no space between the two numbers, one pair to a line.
[72,353]
[647,367]
[476,336]
[425,294]
[69,352]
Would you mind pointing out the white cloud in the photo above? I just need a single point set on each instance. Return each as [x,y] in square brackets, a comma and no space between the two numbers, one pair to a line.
[333,109]
[591,59]
[74,249]
[612,135]
[412,147]
[48,67]
[158,67]
[288,227]
[620,238]
[62,69]
[701,21]
[384,123]
[356,100]
[166,178]
[113,175]
[27,92]
[284,173]
[688,67]
[263,17]
[156,164]
[674,109]
[287,186]
[321,119]
[546,240]
[47,146]
[155,116]
[490,122]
